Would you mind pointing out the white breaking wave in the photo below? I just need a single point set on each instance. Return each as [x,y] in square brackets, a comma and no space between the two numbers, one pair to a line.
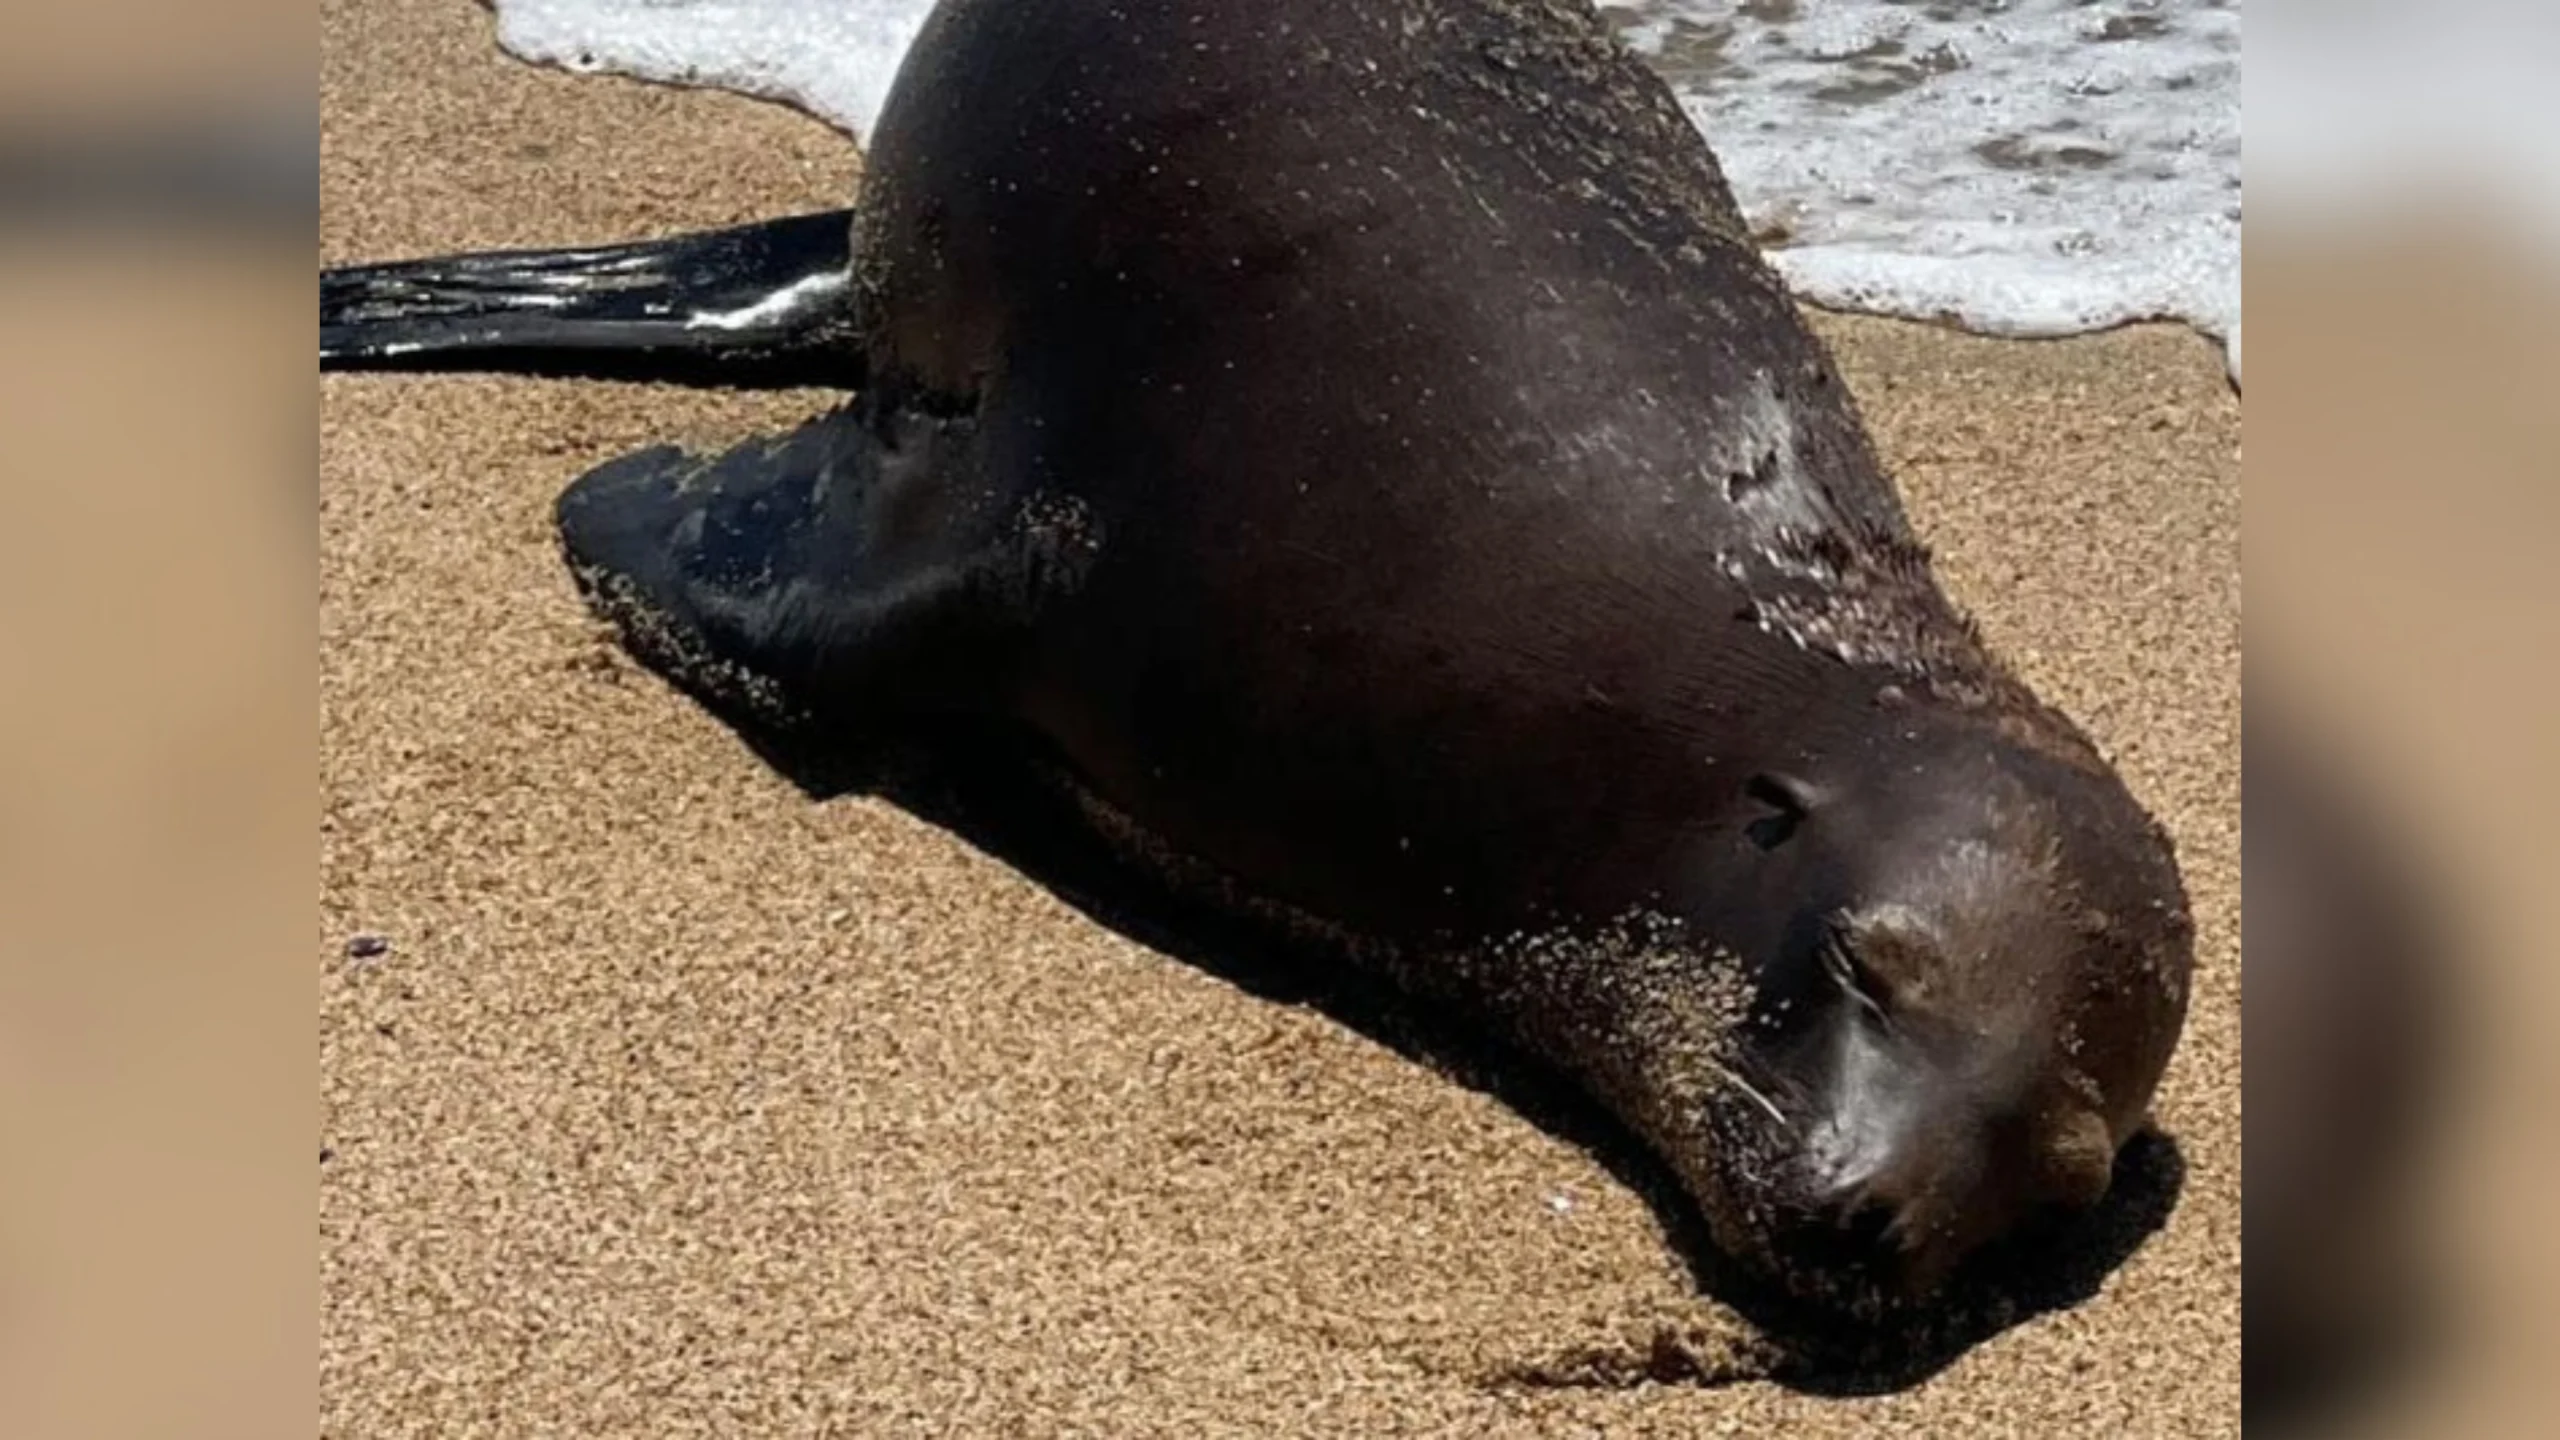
[2017,167]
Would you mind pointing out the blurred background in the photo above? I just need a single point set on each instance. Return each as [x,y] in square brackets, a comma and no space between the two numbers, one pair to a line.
[156,800]
[2404,729]
[157,718]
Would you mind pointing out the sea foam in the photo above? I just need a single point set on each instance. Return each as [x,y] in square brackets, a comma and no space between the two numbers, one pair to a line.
[2018,167]
[834,59]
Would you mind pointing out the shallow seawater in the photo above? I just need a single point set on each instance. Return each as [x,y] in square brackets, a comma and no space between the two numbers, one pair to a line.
[2018,167]
[2021,167]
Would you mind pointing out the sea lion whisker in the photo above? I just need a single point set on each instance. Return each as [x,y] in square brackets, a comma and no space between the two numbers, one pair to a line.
[1733,1077]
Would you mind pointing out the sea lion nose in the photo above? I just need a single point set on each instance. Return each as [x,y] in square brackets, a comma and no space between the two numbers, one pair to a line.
[1910,1202]
[1891,1228]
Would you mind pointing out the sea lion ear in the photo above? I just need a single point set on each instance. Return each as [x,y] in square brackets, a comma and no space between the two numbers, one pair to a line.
[1788,800]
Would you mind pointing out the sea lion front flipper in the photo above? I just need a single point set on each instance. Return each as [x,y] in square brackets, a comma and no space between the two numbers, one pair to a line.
[754,306]
[820,581]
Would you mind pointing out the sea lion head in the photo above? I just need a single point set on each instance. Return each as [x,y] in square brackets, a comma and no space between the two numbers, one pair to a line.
[1964,999]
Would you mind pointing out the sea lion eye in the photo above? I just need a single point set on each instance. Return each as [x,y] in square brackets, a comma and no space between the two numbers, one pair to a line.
[1787,800]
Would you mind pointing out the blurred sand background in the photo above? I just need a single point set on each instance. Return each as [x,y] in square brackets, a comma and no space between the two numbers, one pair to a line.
[682,1106]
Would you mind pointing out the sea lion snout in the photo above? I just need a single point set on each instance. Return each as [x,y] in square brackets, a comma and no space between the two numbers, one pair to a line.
[1919,1148]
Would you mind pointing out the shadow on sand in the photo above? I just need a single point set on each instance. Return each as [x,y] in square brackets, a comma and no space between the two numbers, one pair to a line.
[990,789]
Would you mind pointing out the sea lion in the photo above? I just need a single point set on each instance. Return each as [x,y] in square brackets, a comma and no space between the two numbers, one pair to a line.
[1360,447]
